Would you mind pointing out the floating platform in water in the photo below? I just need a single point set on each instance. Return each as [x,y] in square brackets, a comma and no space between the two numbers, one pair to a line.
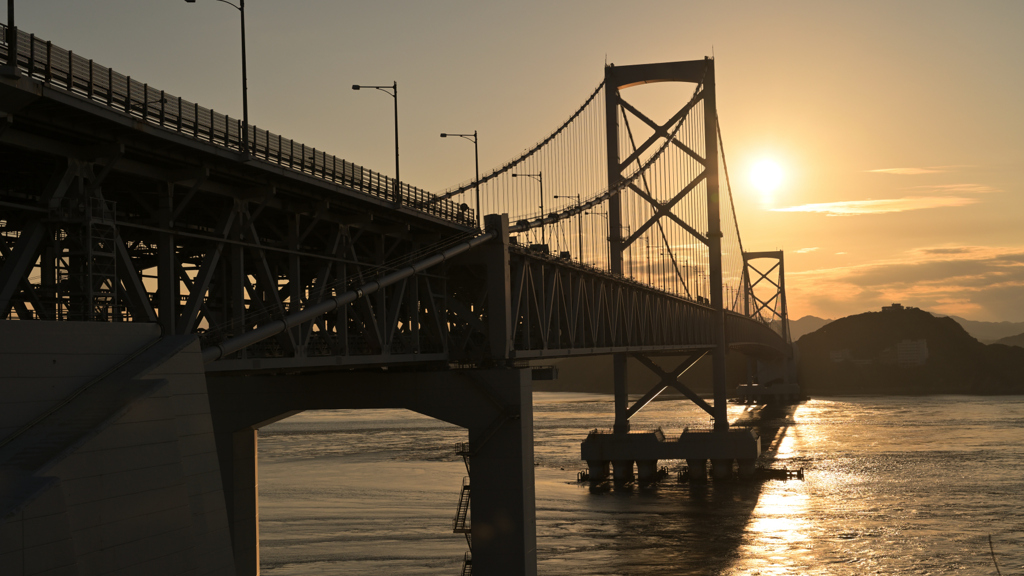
[613,455]
[760,474]
[774,393]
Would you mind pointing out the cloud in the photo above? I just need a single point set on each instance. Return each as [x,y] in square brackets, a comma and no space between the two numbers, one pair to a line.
[806,250]
[966,188]
[945,251]
[914,171]
[885,206]
[979,282]
[908,171]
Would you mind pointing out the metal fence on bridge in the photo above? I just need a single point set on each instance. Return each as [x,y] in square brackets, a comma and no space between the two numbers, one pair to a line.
[64,69]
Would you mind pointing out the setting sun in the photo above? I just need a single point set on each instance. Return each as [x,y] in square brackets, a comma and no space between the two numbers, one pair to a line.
[766,176]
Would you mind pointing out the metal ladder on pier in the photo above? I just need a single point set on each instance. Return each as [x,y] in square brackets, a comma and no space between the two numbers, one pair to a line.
[461,522]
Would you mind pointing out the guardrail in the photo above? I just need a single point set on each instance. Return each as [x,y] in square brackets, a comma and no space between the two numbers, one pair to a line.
[64,69]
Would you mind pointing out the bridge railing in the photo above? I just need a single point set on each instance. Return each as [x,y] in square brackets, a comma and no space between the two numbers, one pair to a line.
[63,69]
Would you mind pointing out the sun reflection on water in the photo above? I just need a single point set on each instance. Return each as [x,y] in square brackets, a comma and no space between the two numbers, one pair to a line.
[776,539]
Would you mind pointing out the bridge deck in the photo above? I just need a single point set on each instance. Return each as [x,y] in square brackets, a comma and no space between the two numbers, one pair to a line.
[62,69]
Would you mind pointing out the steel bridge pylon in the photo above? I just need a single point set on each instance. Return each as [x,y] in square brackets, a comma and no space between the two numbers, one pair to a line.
[773,299]
[771,378]
[701,223]
[708,233]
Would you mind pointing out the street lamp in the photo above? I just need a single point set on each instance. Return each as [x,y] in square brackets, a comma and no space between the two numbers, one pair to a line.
[245,82]
[476,156]
[579,219]
[393,92]
[539,177]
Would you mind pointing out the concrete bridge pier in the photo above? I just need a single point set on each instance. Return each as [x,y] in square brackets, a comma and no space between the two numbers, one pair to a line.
[494,405]
[647,470]
[721,468]
[622,471]
[599,470]
[697,469]
[746,467]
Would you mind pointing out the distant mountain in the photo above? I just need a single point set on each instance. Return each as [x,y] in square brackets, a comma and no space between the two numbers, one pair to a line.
[873,353]
[1017,340]
[805,325]
[989,332]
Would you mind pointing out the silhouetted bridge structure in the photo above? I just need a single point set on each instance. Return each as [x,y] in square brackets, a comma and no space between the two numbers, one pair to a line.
[305,281]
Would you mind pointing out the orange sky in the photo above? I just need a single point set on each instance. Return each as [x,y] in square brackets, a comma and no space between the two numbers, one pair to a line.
[899,125]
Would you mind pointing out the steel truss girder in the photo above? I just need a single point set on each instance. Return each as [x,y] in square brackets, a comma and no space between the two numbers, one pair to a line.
[755,338]
[199,248]
[559,309]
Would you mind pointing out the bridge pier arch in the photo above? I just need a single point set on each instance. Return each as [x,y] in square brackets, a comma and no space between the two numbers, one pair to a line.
[495,406]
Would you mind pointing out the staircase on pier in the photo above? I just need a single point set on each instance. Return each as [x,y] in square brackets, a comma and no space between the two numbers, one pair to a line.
[461,523]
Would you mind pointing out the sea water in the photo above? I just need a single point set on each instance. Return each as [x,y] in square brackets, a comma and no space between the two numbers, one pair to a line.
[892,485]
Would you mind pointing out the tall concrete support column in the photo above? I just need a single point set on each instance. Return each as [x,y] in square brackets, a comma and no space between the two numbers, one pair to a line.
[504,522]
[245,517]
[236,433]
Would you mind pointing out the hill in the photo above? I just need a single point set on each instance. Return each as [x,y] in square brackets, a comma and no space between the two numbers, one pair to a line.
[905,351]
[805,325]
[989,332]
[1017,340]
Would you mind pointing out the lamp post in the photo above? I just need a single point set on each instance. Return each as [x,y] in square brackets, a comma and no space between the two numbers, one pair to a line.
[579,219]
[393,92]
[476,157]
[245,81]
[539,177]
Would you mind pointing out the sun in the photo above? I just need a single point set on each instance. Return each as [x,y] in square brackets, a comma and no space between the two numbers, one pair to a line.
[766,176]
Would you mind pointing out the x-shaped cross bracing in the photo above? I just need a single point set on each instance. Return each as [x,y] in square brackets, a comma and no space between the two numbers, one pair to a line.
[670,378]
[770,303]
[663,209]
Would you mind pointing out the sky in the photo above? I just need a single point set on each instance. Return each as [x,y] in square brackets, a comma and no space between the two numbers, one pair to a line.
[897,127]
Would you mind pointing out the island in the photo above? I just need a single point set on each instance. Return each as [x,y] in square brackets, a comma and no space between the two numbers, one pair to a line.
[907,351]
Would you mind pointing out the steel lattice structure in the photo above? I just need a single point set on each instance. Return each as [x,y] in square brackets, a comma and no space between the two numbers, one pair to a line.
[121,202]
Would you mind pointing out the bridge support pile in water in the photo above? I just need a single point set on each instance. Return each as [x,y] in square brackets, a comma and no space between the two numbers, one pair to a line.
[611,455]
[779,393]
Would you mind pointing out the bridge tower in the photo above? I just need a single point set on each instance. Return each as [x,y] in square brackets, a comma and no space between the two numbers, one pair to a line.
[772,304]
[771,378]
[621,449]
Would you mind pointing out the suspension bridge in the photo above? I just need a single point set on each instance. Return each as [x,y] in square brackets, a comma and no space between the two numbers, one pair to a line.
[152,249]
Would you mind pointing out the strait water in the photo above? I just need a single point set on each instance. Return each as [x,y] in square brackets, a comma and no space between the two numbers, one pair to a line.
[893,485]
